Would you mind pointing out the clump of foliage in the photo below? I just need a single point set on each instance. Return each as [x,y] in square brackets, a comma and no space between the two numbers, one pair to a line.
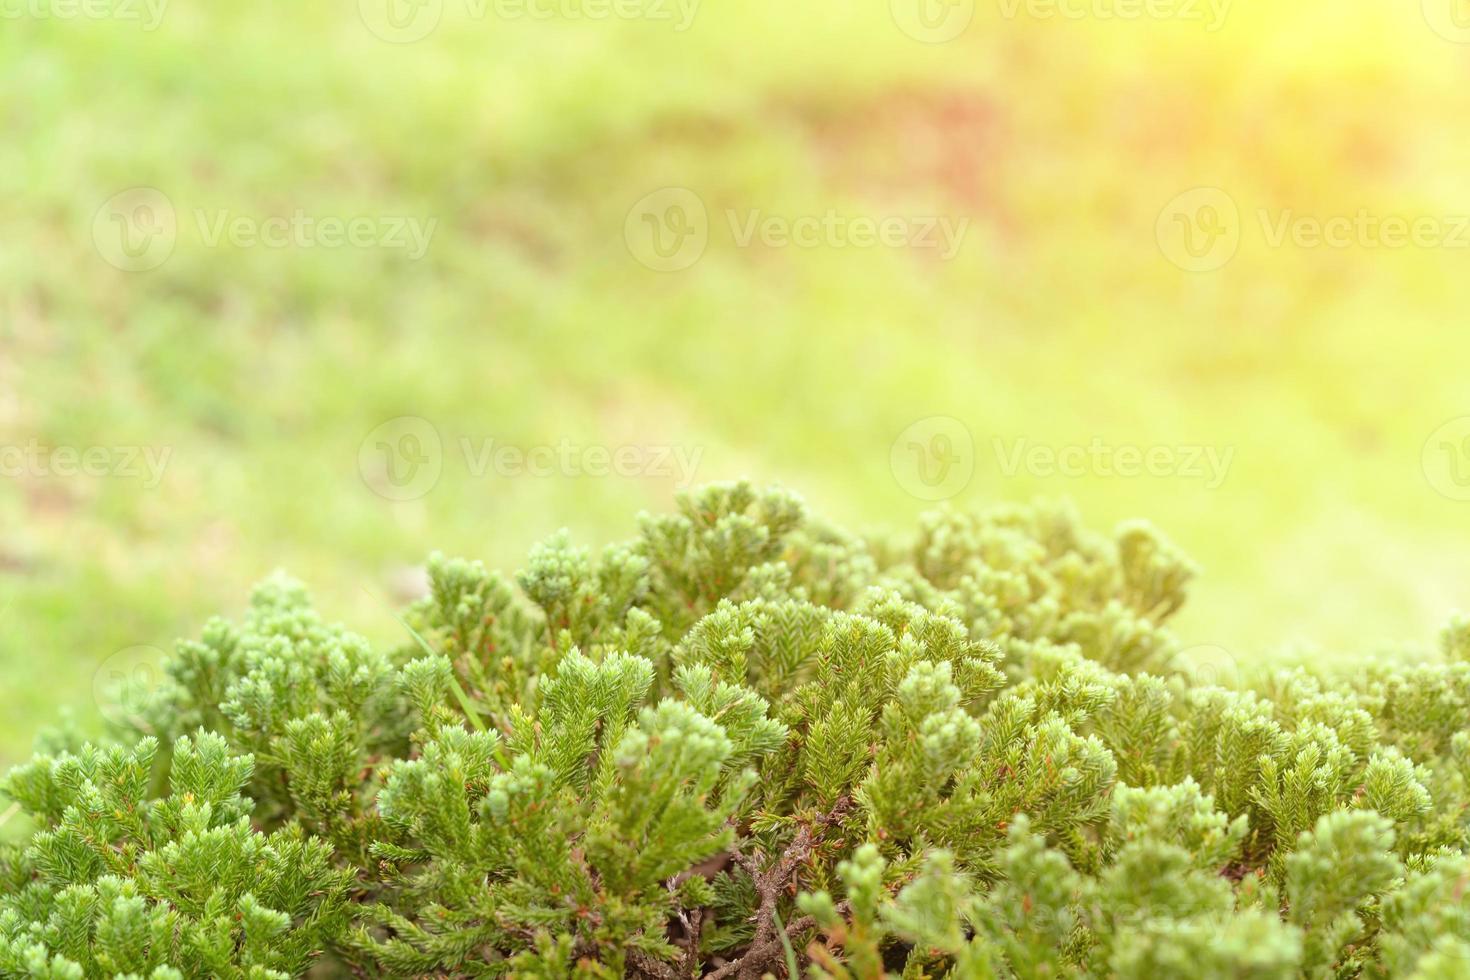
[748,743]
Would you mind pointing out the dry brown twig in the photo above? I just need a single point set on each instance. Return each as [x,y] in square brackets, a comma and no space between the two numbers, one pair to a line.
[769,944]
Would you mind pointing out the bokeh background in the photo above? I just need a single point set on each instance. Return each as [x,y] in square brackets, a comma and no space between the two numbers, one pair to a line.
[713,232]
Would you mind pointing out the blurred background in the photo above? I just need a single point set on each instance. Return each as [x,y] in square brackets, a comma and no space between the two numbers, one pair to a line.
[328,286]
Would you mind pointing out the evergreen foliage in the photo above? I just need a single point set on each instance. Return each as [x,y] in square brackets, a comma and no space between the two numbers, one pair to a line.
[749,743]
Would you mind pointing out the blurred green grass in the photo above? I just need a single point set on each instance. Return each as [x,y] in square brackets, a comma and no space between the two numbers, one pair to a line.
[529,321]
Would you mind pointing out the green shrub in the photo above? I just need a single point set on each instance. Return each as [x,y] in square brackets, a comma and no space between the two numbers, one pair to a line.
[750,743]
